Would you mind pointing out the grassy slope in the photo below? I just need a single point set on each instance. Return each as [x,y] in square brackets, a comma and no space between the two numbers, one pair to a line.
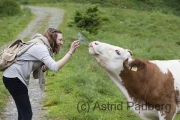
[150,35]
[10,27]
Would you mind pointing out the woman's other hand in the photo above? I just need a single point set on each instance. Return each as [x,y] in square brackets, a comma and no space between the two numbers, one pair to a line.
[44,68]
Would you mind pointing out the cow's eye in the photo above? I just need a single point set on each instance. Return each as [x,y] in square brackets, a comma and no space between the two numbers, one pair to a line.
[118,52]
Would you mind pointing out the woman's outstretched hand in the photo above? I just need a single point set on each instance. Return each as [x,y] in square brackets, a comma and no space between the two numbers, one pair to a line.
[73,47]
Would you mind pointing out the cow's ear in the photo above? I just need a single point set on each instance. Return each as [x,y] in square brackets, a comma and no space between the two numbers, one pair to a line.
[137,64]
[126,64]
[130,52]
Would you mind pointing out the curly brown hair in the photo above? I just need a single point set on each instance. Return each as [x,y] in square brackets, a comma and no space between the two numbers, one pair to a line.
[51,35]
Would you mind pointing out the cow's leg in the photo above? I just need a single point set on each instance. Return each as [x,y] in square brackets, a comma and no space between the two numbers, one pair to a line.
[168,115]
[161,117]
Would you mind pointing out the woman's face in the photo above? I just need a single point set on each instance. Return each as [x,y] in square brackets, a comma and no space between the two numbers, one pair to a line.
[59,39]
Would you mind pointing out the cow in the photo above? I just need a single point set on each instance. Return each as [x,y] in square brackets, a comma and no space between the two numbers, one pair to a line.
[151,86]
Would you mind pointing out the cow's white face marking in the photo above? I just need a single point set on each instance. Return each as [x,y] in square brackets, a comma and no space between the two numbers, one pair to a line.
[109,57]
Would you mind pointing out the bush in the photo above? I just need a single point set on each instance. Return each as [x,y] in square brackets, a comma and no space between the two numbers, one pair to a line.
[89,20]
[9,8]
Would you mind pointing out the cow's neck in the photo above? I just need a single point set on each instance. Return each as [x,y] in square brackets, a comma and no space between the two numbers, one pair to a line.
[117,80]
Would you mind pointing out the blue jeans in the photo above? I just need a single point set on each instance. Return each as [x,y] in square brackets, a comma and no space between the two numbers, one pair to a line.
[19,93]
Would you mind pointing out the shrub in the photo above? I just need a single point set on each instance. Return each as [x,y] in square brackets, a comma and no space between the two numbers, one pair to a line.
[90,20]
[9,8]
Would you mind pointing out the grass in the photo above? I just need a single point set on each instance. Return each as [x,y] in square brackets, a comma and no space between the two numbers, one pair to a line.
[144,33]
[81,90]
[10,27]
[4,95]
[82,83]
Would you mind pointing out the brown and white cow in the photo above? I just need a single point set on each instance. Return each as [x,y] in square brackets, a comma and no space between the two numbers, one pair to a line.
[152,87]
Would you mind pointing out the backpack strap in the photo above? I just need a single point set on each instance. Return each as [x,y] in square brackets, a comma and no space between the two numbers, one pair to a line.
[39,40]
[24,47]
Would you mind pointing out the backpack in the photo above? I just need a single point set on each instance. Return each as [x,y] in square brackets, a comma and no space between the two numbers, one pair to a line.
[16,49]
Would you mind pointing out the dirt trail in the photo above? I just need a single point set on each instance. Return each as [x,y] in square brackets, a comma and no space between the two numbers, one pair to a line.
[45,17]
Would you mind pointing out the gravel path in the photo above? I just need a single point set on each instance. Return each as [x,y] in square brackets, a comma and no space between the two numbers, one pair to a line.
[45,17]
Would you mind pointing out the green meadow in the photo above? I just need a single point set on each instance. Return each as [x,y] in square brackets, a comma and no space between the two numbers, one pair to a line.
[81,90]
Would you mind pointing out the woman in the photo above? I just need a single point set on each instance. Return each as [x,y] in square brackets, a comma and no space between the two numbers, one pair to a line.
[36,59]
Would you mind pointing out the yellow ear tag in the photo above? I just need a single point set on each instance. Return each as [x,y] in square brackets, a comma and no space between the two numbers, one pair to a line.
[134,68]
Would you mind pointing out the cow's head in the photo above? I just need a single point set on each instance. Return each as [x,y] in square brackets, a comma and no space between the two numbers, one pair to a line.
[109,57]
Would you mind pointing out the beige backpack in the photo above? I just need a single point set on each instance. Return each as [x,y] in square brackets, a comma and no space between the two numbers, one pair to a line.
[17,48]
